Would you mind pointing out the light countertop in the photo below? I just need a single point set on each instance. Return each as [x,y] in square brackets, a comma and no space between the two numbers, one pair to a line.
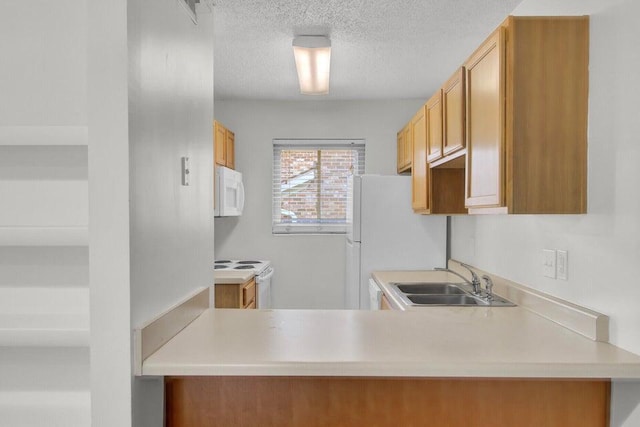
[232,276]
[430,342]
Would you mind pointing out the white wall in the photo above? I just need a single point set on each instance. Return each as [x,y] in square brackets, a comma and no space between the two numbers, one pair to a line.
[603,245]
[109,213]
[34,99]
[170,116]
[309,270]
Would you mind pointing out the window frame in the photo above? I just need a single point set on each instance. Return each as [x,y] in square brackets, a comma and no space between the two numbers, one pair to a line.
[279,228]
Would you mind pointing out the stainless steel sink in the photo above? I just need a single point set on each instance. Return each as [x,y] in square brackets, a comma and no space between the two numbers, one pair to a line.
[427,294]
[445,300]
[430,288]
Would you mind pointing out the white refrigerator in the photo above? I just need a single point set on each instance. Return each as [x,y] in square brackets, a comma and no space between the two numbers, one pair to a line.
[383,233]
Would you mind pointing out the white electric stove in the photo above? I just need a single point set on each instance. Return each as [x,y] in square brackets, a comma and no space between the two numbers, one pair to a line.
[262,270]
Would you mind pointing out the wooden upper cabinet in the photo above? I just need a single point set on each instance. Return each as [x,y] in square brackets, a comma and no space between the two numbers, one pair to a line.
[485,84]
[404,149]
[401,163]
[219,143]
[230,150]
[526,104]
[408,146]
[547,89]
[224,145]
[434,126]
[453,113]
[419,168]
[399,150]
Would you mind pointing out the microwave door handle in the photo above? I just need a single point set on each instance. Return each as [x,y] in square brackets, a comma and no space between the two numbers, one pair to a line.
[241,197]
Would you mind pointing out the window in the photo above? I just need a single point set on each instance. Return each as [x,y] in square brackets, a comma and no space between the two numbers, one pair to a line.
[310,180]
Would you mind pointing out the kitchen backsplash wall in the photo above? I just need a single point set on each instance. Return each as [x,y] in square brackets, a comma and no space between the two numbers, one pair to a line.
[603,245]
[309,270]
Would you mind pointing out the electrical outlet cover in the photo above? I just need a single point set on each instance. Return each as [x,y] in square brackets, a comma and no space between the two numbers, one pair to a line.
[549,263]
[562,265]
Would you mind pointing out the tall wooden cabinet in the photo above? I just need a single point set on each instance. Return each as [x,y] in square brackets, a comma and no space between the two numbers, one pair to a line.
[527,94]
[224,145]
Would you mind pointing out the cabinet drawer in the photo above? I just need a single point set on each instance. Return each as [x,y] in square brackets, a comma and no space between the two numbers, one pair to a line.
[249,293]
[384,303]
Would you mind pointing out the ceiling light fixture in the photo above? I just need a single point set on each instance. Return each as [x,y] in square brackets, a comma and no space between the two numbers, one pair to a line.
[313,61]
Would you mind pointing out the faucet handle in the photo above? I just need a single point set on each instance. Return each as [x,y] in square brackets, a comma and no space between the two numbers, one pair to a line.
[488,284]
[475,282]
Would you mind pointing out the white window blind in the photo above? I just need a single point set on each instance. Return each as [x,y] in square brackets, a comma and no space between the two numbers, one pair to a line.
[310,183]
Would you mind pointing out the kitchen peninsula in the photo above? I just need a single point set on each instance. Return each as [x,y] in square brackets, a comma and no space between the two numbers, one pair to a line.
[306,367]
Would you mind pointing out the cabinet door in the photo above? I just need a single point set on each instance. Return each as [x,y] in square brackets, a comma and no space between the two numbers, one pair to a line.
[230,160]
[419,175]
[434,127]
[485,87]
[249,294]
[400,161]
[220,143]
[453,113]
[408,147]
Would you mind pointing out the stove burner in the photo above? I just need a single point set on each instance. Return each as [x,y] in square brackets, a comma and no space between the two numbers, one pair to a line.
[216,267]
[243,267]
[248,262]
[224,261]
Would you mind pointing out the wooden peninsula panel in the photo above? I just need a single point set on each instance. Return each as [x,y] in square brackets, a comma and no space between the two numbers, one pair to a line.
[337,401]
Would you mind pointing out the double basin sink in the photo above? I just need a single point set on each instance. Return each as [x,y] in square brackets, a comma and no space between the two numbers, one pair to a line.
[445,294]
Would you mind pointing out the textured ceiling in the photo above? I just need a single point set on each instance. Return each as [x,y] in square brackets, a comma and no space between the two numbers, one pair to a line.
[380,49]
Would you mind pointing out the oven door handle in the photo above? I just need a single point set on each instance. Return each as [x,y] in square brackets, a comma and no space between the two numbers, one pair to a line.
[264,277]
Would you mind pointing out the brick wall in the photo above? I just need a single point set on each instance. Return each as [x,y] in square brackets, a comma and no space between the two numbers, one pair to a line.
[316,193]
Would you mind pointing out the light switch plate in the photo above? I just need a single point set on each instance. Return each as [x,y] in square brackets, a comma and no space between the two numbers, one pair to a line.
[562,265]
[549,263]
[185,170]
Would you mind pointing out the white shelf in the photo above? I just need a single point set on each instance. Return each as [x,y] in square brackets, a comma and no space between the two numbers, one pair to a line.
[44,317]
[44,236]
[44,330]
[38,300]
[50,203]
[45,408]
[44,368]
[43,135]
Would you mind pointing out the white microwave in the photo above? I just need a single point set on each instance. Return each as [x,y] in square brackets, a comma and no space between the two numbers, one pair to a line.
[229,192]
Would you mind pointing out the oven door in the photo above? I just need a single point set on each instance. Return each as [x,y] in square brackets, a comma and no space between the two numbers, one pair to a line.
[264,288]
[229,197]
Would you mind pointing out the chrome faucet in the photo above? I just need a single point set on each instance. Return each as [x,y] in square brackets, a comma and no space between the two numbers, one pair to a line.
[488,284]
[475,282]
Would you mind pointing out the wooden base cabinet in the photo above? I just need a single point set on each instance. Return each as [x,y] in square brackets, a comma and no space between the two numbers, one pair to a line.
[382,402]
[526,118]
[236,295]
[384,303]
